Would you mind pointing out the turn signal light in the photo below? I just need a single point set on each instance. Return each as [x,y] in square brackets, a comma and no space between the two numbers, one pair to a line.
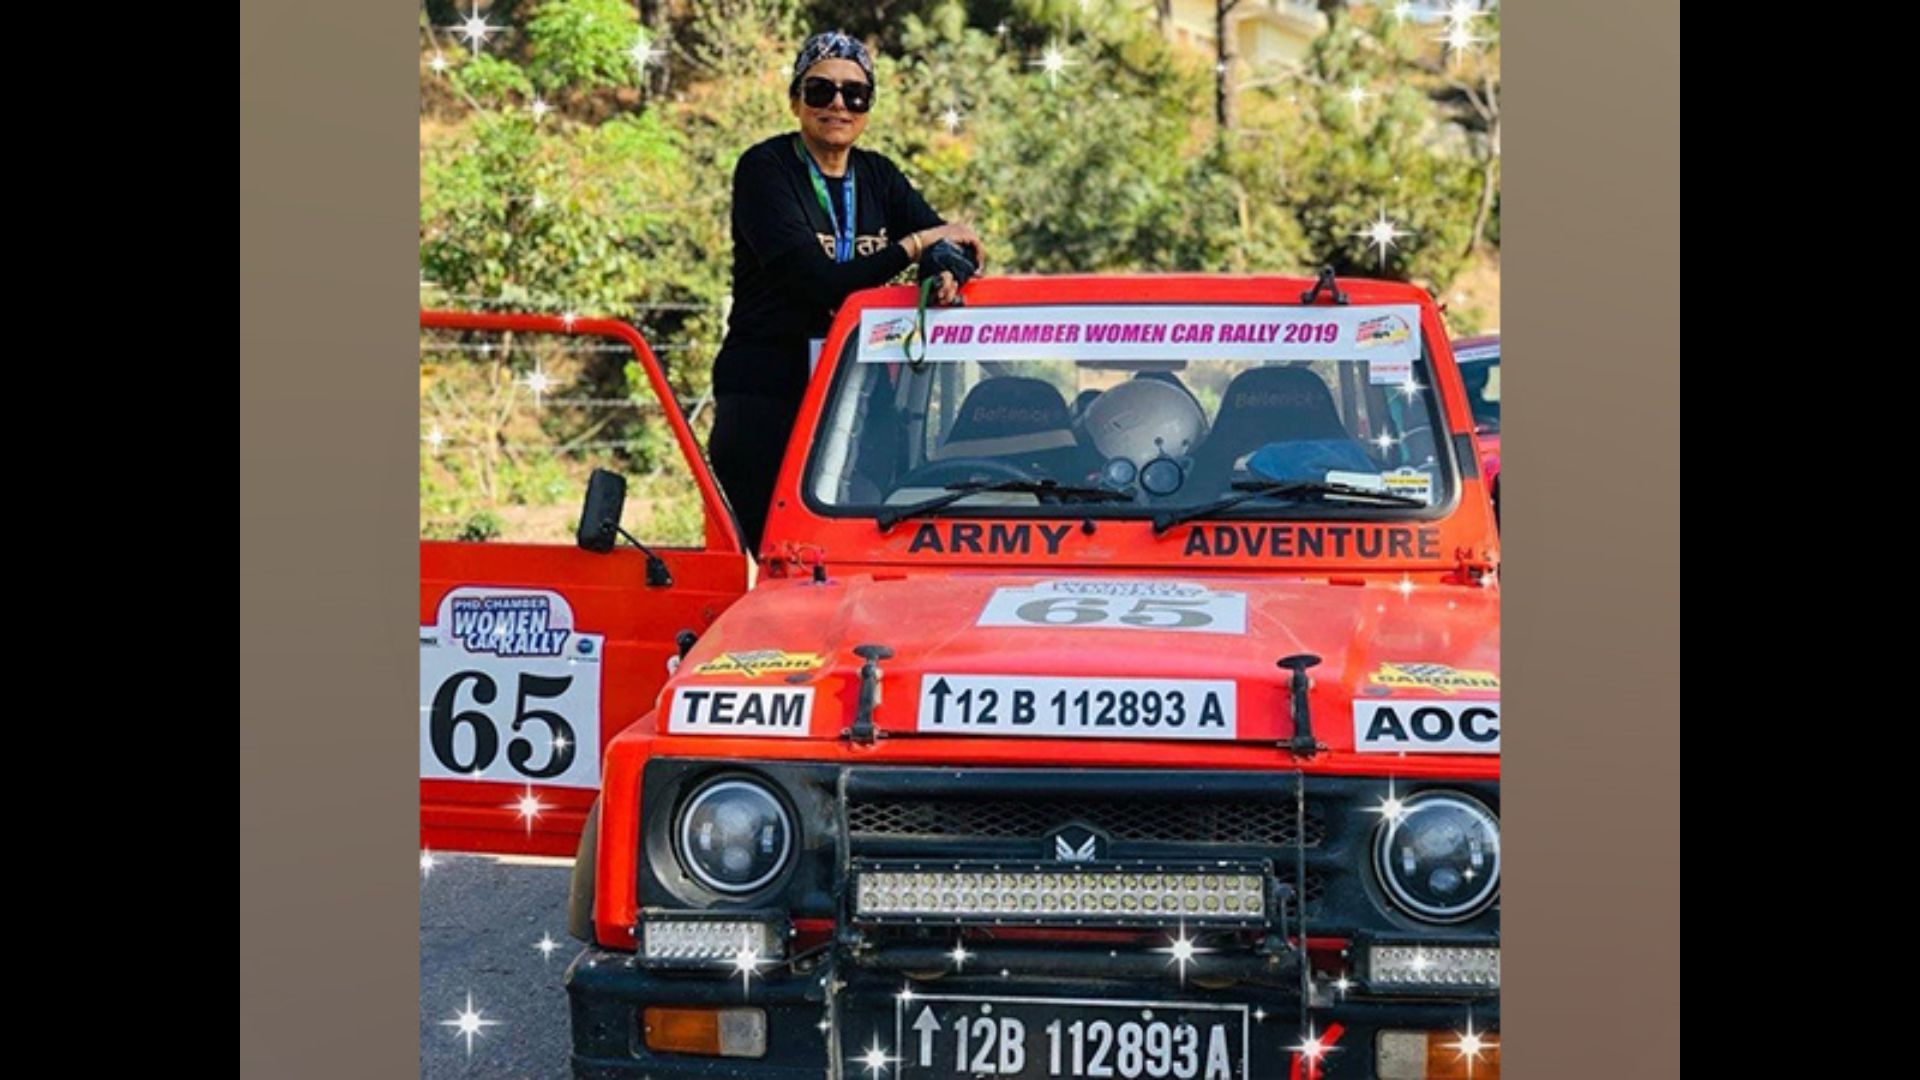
[1437,1055]
[713,1032]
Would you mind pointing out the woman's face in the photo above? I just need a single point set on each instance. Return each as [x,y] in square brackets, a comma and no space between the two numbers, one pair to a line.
[834,126]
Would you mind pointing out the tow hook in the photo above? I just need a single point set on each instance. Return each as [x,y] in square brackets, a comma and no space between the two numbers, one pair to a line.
[862,732]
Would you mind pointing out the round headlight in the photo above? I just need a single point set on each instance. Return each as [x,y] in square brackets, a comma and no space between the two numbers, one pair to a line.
[1440,857]
[735,835]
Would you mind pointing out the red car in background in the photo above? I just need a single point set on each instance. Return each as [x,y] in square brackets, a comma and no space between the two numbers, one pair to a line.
[1479,361]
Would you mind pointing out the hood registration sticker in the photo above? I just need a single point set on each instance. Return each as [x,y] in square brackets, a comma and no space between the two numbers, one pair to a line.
[1111,604]
[1077,708]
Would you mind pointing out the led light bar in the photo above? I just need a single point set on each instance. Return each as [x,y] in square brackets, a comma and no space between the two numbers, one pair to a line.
[671,941]
[1433,967]
[1144,895]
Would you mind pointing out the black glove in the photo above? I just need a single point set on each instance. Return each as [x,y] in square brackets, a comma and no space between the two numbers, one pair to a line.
[944,256]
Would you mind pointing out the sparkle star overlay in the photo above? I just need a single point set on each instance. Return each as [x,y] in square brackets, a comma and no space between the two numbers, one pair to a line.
[528,806]
[476,29]
[546,945]
[876,1060]
[644,54]
[539,382]
[1053,62]
[1470,1045]
[1182,951]
[1310,1047]
[427,863]
[746,963]
[1382,233]
[1391,808]
[1459,37]
[959,956]
[468,1022]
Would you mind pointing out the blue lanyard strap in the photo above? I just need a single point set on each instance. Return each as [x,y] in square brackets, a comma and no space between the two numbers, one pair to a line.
[842,239]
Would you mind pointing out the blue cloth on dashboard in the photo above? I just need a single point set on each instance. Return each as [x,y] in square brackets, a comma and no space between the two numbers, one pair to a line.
[1309,459]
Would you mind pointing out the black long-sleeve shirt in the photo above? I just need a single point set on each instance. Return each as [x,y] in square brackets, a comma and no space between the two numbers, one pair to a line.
[786,285]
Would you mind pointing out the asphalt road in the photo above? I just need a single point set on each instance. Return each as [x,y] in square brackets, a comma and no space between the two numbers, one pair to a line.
[481,919]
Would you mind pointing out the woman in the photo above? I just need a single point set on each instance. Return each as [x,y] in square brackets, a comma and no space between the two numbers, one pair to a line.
[814,219]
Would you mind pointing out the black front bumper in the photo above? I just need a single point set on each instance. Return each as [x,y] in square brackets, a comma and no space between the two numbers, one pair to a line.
[824,1014]
[808,1028]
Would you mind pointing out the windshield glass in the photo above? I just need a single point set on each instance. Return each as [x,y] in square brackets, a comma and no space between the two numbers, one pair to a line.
[1199,400]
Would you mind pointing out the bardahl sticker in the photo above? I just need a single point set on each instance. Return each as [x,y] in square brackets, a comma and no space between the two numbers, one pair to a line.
[780,711]
[757,662]
[1438,678]
[1398,726]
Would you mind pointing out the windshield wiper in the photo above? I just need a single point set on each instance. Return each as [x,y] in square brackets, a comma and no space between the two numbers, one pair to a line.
[1267,489]
[893,515]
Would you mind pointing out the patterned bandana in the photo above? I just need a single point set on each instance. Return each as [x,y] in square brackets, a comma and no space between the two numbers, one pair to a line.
[832,45]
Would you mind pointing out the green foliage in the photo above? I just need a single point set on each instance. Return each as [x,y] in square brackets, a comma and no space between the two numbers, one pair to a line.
[491,81]
[582,44]
[482,525]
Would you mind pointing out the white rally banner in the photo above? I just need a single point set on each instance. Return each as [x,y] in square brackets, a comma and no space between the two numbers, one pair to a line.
[509,690]
[1110,604]
[1384,333]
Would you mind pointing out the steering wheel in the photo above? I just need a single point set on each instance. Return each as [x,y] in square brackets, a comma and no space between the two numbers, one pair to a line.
[960,470]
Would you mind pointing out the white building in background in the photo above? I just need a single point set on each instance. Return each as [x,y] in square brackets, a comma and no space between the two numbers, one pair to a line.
[1267,33]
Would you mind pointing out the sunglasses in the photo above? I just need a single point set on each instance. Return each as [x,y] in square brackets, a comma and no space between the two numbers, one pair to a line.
[819,93]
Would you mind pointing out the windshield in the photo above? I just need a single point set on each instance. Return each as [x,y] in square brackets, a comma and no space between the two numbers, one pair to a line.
[1483,392]
[1045,395]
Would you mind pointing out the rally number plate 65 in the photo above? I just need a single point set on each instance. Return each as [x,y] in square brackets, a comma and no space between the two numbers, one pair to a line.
[947,1037]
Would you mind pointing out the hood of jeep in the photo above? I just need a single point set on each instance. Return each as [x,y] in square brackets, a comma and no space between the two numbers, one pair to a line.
[1039,636]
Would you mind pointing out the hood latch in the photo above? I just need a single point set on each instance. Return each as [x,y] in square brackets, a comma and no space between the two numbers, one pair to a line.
[1303,744]
[863,733]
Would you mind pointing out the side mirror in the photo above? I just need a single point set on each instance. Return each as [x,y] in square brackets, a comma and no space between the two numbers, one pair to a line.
[600,514]
[600,524]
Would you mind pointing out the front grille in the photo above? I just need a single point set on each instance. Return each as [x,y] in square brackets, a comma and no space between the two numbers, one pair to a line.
[1250,823]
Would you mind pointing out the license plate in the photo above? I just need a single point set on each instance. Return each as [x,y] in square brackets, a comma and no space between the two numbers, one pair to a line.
[1083,708]
[949,1037]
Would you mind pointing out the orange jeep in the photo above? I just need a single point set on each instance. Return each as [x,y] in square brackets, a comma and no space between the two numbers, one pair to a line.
[1118,698]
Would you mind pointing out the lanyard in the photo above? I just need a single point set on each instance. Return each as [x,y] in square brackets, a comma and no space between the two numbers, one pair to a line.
[842,240]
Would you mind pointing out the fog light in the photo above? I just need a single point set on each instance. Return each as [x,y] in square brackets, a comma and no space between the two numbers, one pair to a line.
[679,942]
[1437,1055]
[713,1032]
[1433,968]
